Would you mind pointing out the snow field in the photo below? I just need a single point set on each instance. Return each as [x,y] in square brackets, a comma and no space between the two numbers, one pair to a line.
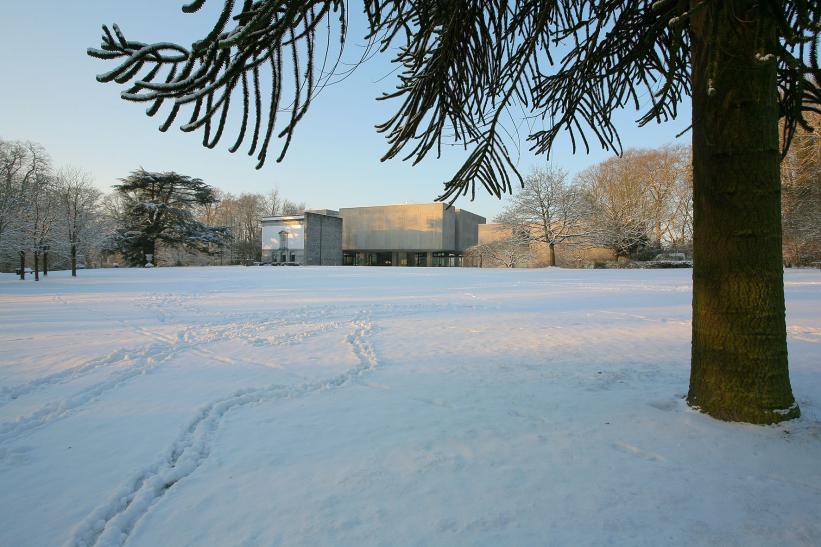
[379,406]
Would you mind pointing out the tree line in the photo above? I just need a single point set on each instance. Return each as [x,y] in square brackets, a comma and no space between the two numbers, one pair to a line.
[57,217]
[640,204]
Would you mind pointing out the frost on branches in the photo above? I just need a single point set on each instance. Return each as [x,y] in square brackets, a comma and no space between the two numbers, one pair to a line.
[161,208]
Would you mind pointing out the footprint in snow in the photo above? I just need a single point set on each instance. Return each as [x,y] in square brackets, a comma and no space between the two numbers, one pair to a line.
[636,451]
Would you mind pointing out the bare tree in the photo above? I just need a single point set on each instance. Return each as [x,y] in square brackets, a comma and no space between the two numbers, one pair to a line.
[39,216]
[248,237]
[13,160]
[292,207]
[509,251]
[25,169]
[668,187]
[801,196]
[78,208]
[642,198]
[680,229]
[617,205]
[273,202]
[549,209]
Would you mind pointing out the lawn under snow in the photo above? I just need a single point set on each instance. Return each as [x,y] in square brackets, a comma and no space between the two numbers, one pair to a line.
[386,406]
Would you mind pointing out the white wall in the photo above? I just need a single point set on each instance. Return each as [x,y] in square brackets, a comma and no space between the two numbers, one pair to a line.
[271,230]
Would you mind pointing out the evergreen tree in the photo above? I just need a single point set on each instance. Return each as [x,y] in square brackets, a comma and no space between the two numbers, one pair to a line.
[159,207]
[467,65]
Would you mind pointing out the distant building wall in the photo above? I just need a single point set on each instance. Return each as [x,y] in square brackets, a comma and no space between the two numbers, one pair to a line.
[488,233]
[419,227]
[323,240]
[394,227]
[467,229]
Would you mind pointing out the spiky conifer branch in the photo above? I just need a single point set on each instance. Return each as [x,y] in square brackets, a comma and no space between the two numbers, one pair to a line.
[566,65]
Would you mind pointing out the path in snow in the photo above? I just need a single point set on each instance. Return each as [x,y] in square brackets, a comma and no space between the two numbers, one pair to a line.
[368,406]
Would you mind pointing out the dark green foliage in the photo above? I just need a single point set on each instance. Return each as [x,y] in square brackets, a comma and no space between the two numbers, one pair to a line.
[159,207]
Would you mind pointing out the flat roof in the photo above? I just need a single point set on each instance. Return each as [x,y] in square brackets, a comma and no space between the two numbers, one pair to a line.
[284,217]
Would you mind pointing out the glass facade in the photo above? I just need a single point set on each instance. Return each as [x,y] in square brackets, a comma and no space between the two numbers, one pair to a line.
[402,258]
[446,259]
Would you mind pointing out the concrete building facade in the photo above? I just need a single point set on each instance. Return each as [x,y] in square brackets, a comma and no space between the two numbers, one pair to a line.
[429,234]
[313,238]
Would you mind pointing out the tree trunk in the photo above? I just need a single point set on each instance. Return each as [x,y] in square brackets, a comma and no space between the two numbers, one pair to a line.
[22,265]
[45,262]
[73,260]
[36,266]
[739,347]
[551,260]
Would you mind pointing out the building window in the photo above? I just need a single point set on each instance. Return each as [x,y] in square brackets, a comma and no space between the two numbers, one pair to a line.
[348,258]
[293,257]
[446,259]
[283,240]
[421,259]
[283,258]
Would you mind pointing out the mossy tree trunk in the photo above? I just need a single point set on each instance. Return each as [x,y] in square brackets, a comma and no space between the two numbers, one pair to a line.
[739,348]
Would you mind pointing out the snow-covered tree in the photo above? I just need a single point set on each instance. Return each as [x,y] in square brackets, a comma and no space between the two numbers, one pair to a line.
[25,177]
[642,198]
[668,186]
[39,211]
[616,201]
[513,248]
[158,208]
[801,196]
[78,204]
[547,208]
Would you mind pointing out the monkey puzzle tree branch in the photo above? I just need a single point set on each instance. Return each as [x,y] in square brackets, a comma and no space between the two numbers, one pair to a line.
[567,65]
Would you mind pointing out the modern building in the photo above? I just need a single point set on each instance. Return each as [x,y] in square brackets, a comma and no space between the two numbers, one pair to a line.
[429,234]
[313,238]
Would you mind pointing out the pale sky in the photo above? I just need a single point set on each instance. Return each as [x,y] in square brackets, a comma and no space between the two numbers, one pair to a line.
[48,94]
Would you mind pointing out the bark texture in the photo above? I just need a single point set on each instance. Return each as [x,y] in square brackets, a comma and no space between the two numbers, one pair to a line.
[73,260]
[739,348]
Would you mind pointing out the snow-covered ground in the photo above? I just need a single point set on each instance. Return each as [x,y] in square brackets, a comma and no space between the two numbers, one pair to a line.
[386,406]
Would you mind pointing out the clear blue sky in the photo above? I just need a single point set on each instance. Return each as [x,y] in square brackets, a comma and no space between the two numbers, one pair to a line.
[49,95]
